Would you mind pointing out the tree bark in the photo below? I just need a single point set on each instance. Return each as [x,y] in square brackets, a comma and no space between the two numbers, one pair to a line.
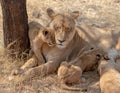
[15,25]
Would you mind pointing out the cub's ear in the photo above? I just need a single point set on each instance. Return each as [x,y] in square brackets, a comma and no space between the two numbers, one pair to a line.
[75,14]
[50,13]
[45,32]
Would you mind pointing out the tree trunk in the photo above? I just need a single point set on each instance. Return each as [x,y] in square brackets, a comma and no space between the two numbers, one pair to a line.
[15,25]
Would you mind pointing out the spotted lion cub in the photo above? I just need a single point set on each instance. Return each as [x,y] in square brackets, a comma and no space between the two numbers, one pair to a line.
[71,72]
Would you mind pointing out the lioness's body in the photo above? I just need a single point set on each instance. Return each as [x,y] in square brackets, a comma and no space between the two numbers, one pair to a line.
[55,55]
[98,37]
[109,77]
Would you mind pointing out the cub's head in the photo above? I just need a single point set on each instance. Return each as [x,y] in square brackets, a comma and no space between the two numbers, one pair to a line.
[90,58]
[63,26]
[63,69]
[48,36]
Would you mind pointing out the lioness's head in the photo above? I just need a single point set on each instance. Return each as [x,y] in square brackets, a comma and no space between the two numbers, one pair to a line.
[63,26]
[48,36]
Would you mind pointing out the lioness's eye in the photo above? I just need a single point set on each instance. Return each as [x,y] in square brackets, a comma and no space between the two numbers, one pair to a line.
[67,29]
[57,28]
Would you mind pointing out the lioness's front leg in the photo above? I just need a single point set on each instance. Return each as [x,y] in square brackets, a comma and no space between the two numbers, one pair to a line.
[32,62]
[41,70]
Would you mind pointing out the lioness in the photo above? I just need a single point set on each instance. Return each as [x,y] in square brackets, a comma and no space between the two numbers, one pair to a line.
[71,72]
[55,55]
[69,42]
[109,77]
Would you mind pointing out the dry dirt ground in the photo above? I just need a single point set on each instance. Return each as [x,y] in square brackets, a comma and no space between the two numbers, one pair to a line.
[100,13]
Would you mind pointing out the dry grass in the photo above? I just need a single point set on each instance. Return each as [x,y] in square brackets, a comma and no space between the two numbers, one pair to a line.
[100,13]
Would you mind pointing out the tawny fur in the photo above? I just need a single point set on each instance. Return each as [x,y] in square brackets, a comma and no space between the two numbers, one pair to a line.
[109,77]
[88,59]
[71,72]
[70,39]
[38,35]
[55,55]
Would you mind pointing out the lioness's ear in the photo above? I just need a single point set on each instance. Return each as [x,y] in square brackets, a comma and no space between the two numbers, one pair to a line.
[75,14]
[50,13]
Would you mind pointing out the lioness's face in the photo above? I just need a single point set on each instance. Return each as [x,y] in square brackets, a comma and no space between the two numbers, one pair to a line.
[64,28]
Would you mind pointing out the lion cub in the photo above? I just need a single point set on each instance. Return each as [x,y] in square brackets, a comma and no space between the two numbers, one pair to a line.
[71,72]
[38,35]
[109,77]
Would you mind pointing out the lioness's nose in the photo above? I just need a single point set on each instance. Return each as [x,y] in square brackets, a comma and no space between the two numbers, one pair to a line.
[61,41]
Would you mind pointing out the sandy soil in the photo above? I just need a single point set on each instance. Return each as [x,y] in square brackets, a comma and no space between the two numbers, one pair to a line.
[100,13]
